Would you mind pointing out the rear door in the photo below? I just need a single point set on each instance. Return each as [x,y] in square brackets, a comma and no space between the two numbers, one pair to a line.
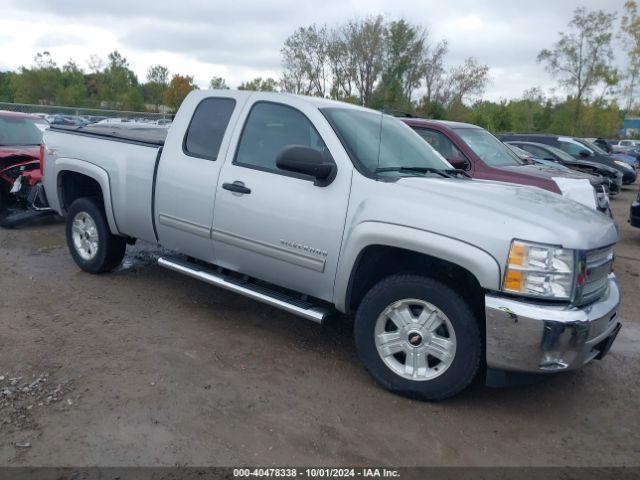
[188,171]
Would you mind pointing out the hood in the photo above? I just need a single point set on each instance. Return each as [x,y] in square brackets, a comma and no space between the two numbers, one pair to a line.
[601,167]
[486,212]
[23,152]
[545,171]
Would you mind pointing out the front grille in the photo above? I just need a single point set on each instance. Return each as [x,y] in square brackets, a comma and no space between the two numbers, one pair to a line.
[598,267]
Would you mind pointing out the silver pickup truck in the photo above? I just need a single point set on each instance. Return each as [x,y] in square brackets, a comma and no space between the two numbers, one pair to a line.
[320,207]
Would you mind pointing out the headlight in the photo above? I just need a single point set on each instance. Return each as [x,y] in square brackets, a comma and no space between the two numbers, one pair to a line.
[539,270]
[620,163]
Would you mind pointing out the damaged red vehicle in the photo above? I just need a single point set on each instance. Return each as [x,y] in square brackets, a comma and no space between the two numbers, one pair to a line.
[21,194]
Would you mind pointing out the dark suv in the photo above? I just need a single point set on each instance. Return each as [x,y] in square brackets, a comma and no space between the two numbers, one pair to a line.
[577,149]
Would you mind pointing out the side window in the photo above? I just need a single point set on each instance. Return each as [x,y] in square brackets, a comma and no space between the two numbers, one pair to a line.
[572,148]
[441,143]
[536,151]
[206,130]
[271,127]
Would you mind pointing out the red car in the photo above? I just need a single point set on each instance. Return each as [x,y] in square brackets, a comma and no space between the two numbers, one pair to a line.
[21,195]
[483,156]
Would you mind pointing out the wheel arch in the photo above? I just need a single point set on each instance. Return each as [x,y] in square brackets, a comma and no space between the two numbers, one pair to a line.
[376,251]
[76,178]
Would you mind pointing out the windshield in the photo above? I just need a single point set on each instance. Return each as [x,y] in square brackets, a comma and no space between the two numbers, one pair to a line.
[380,142]
[490,150]
[593,147]
[19,131]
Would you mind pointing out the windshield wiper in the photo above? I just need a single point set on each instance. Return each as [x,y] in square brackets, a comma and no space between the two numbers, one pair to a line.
[437,171]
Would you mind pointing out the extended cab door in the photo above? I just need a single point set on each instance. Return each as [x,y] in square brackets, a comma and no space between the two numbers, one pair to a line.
[188,171]
[279,226]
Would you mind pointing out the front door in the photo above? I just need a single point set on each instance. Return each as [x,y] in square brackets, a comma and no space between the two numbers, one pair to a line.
[278,226]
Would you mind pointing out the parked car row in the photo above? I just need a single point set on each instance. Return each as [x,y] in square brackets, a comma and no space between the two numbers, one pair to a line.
[482,156]
[540,152]
[429,234]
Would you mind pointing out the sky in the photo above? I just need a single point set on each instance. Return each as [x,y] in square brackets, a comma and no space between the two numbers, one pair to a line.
[240,40]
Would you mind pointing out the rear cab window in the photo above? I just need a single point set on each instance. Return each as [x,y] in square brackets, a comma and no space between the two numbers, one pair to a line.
[207,127]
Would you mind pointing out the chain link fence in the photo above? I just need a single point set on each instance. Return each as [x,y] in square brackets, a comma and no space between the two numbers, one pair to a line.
[60,114]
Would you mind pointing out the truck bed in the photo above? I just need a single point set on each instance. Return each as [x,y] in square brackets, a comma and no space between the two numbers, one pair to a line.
[130,133]
[125,158]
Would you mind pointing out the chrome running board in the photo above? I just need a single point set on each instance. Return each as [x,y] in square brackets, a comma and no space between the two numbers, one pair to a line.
[262,294]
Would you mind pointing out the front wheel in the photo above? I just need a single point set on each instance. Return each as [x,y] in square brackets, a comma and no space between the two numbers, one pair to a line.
[418,338]
[92,245]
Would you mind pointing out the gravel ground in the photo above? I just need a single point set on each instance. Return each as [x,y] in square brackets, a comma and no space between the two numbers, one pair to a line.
[147,367]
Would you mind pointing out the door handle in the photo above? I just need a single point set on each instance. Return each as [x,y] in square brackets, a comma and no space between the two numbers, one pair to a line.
[237,187]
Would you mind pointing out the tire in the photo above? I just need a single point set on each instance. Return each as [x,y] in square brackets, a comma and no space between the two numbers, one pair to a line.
[435,378]
[91,244]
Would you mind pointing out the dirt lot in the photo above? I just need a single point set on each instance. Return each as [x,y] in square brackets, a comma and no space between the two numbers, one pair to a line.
[147,367]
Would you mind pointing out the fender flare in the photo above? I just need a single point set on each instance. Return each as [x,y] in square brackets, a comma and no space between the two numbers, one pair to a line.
[94,172]
[480,263]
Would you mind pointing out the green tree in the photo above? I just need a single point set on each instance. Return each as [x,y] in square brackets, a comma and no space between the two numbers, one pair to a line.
[73,89]
[6,90]
[157,83]
[38,84]
[118,85]
[404,66]
[260,85]
[218,83]
[582,58]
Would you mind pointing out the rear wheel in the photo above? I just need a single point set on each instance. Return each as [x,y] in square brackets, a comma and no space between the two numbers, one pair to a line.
[418,338]
[91,244]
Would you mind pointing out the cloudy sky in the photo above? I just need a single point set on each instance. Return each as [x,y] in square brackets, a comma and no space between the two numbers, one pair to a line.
[239,40]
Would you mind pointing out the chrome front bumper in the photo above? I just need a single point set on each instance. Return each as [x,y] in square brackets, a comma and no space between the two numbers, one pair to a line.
[529,337]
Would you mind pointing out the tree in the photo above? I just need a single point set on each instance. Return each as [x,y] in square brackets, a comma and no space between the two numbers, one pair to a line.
[365,39]
[434,75]
[39,84]
[404,67]
[467,80]
[630,35]
[341,64]
[178,89]
[73,89]
[6,90]
[305,61]
[95,64]
[582,58]
[218,83]
[260,85]
[158,74]
[157,83]
[117,85]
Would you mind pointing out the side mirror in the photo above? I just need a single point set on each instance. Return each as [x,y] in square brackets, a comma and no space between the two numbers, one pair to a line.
[458,162]
[307,161]
[584,154]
